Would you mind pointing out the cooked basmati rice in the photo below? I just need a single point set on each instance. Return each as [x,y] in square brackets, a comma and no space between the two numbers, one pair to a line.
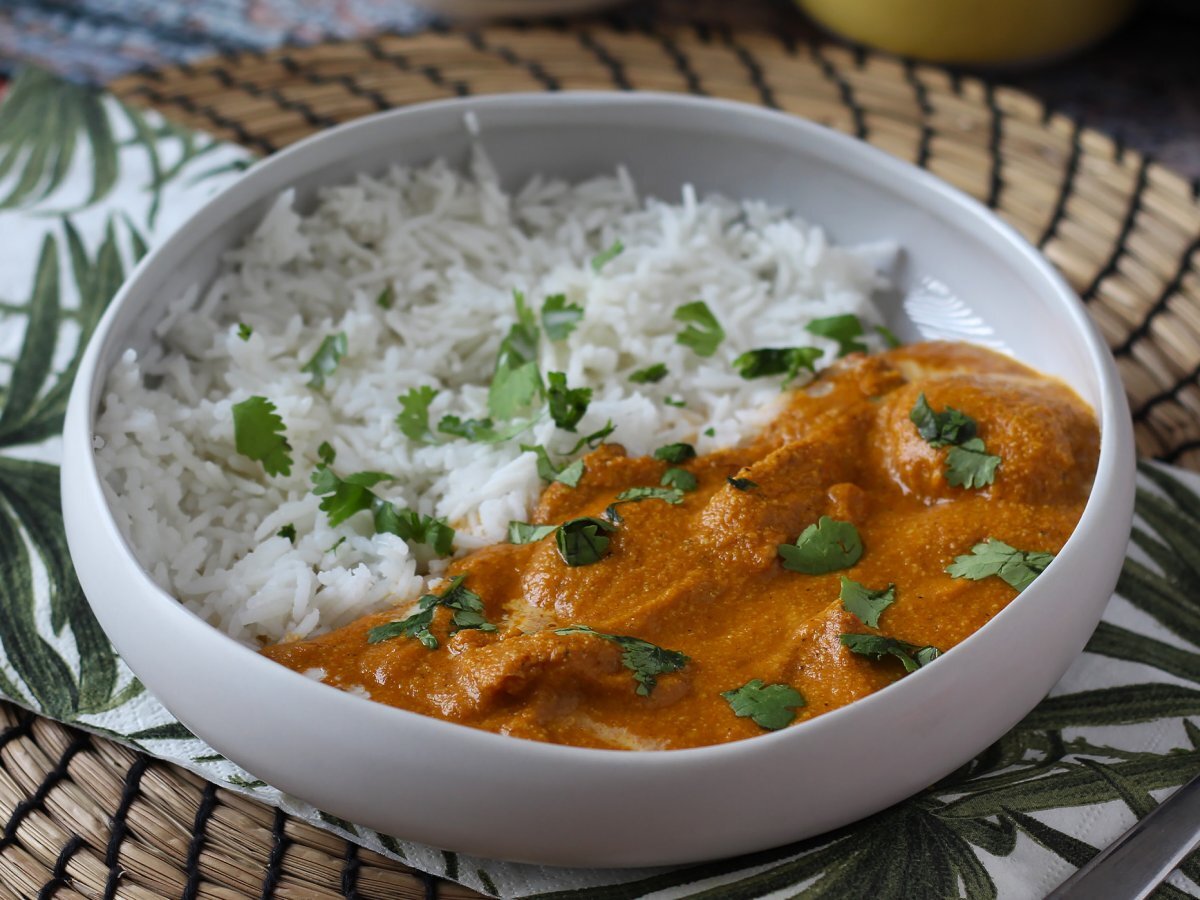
[452,248]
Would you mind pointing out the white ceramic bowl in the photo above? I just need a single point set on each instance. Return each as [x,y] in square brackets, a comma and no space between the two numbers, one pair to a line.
[473,791]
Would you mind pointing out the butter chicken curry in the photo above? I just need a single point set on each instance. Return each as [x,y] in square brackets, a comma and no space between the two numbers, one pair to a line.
[894,506]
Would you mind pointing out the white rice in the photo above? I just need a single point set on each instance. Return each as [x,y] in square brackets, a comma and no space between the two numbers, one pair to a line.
[453,247]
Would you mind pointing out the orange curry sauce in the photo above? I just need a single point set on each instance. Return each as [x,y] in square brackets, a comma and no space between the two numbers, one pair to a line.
[705,577]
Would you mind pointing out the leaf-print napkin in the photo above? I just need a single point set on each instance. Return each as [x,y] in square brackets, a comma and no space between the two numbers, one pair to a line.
[87,185]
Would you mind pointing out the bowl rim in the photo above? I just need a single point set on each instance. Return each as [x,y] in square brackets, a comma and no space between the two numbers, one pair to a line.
[1114,464]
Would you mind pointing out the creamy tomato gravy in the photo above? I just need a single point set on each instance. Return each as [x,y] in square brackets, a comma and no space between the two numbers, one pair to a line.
[704,577]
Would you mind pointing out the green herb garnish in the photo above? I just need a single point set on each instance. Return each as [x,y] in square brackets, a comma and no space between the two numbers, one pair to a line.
[645,660]
[413,419]
[386,298]
[244,331]
[1016,567]
[567,405]
[843,329]
[559,318]
[679,478]
[325,361]
[287,531]
[710,431]
[649,375]
[827,546]
[606,256]
[877,646]
[482,431]
[583,541]
[939,429]
[525,533]
[516,381]
[635,494]
[593,440]
[771,706]
[258,434]
[343,497]
[466,606]
[675,453]
[414,527]
[672,401]
[787,361]
[865,603]
[969,465]
[741,484]
[549,472]
[703,332]
[889,337]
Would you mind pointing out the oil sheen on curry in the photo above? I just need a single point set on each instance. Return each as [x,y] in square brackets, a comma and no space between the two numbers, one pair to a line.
[895,505]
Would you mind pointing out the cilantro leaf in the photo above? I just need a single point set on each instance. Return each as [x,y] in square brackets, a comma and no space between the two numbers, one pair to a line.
[741,484]
[549,472]
[877,646]
[866,604]
[483,431]
[889,337]
[710,431]
[843,329]
[583,541]
[593,440]
[681,479]
[787,361]
[287,531]
[606,256]
[571,473]
[525,533]
[244,331]
[941,428]
[516,380]
[343,497]
[258,434]
[674,496]
[649,375]
[671,401]
[970,465]
[386,297]
[413,527]
[675,453]
[465,605]
[827,546]
[567,405]
[703,332]
[771,706]
[645,660]
[325,361]
[1017,567]
[559,318]
[413,419]
[326,453]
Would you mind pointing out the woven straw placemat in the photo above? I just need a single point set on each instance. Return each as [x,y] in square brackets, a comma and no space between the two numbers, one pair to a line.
[88,818]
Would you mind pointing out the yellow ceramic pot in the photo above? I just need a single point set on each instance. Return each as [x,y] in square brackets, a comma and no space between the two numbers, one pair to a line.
[990,32]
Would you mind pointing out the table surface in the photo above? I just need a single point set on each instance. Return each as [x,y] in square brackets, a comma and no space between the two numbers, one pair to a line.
[1142,85]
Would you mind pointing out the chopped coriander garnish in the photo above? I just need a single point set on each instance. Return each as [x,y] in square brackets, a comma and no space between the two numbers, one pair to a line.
[567,405]
[465,605]
[386,297]
[549,472]
[672,401]
[710,432]
[593,440]
[516,381]
[337,544]
[889,337]
[771,706]
[681,479]
[675,453]
[325,361]
[645,660]
[413,419]
[244,331]
[483,431]
[741,484]
[674,496]
[258,434]
[1017,567]
[866,604]
[703,332]
[969,465]
[649,375]
[287,531]
[786,361]
[343,497]
[827,546]
[877,646]
[559,317]
[843,329]
[414,527]
[939,429]
[525,533]
[606,256]
[326,453]
[583,541]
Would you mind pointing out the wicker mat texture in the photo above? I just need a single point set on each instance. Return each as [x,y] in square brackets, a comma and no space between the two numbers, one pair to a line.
[87,818]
